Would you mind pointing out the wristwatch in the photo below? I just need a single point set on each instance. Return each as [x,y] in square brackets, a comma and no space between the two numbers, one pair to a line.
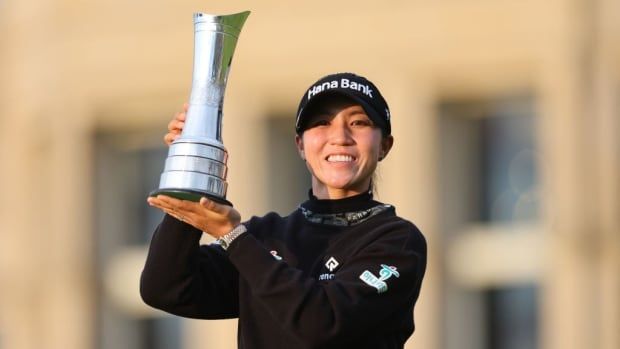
[227,239]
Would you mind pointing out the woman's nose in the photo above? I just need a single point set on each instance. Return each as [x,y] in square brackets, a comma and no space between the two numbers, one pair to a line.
[340,134]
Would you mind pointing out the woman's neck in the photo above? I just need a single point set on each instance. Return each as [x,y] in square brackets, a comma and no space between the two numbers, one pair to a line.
[324,192]
[361,202]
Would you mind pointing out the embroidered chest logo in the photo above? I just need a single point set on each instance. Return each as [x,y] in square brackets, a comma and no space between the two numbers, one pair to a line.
[385,273]
[331,264]
[274,253]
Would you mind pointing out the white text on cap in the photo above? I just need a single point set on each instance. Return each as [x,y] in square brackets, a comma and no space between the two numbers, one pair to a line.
[342,83]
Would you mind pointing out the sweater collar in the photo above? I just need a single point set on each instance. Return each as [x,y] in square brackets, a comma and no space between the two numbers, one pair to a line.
[363,201]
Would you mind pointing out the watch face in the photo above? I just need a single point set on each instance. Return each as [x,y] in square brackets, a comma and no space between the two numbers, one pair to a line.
[222,243]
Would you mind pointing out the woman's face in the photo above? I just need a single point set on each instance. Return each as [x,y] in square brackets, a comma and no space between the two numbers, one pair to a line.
[341,147]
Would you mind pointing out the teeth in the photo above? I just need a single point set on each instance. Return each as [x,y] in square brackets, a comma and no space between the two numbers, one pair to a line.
[340,158]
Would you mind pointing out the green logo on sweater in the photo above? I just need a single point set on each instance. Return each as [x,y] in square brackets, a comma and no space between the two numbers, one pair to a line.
[385,273]
[274,253]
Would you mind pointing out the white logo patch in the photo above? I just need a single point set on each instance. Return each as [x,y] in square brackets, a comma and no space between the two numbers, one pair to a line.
[274,253]
[331,264]
[379,282]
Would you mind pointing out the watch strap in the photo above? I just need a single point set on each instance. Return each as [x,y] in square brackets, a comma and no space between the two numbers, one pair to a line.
[228,238]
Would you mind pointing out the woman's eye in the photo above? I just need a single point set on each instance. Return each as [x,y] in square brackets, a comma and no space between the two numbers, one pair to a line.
[361,122]
[322,122]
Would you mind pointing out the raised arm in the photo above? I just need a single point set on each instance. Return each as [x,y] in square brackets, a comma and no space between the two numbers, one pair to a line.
[186,279]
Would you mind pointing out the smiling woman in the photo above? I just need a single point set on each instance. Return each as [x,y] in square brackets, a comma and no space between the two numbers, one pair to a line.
[341,146]
[341,271]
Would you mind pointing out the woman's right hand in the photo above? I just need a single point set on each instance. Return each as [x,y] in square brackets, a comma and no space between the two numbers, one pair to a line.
[175,126]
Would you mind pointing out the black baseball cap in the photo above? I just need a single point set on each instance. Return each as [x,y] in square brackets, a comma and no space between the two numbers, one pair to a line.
[353,86]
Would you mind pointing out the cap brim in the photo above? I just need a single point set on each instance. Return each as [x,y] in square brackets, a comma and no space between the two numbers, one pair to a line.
[370,111]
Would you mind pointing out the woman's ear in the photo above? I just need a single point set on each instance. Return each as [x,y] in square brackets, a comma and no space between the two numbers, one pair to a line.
[299,142]
[386,144]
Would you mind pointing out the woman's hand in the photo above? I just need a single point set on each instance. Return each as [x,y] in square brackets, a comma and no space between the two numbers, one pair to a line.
[175,126]
[214,219]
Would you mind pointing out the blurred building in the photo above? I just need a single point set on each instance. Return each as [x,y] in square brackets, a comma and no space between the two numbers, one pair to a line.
[506,117]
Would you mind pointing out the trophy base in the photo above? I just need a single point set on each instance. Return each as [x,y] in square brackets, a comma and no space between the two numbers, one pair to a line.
[189,195]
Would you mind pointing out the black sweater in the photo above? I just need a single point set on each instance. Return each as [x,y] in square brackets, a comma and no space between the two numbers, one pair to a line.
[294,283]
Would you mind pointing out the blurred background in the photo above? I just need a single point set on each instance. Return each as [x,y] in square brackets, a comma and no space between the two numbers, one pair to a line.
[506,117]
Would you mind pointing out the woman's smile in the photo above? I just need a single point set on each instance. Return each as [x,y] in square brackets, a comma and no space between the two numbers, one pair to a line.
[340,158]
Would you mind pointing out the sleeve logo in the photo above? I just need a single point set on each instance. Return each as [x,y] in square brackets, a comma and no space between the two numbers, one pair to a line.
[274,253]
[379,283]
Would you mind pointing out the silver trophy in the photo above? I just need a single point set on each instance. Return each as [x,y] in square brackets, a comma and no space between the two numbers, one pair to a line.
[196,163]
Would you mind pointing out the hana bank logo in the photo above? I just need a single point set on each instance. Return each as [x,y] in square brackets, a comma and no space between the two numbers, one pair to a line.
[342,83]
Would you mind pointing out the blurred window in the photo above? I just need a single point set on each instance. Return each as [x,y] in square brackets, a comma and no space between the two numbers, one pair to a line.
[489,199]
[126,170]
[288,179]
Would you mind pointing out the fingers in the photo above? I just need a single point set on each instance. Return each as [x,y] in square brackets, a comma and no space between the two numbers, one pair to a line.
[157,202]
[225,212]
[183,206]
[214,206]
[187,208]
[167,209]
[185,211]
[175,126]
[178,121]
[175,214]
[208,216]
[171,137]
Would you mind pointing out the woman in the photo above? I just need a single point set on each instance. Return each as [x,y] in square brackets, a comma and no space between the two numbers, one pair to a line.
[341,271]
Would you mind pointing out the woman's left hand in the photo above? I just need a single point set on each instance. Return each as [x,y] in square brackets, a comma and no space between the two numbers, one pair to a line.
[214,219]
